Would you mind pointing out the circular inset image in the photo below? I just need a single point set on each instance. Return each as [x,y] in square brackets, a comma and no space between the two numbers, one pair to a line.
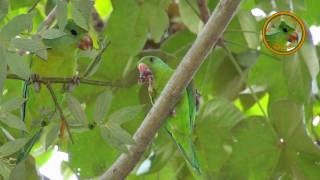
[283,33]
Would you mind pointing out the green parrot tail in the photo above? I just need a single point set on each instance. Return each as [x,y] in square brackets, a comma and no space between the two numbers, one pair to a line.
[188,151]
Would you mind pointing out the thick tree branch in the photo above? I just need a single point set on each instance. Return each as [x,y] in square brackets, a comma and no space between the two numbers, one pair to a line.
[191,62]
[61,80]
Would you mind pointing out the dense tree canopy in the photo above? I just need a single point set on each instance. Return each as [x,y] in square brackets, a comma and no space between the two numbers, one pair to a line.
[258,114]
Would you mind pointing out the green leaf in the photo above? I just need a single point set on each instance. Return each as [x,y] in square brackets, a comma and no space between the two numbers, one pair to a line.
[32,45]
[14,27]
[52,34]
[18,65]
[12,147]
[12,104]
[51,135]
[3,9]
[5,169]
[288,119]
[102,106]
[190,15]
[81,11]
[12,121]
[157,17]
[131,39]
[76,110]
[26,169]
[116,136]
[125,114]
[62,14]
[90,154]
[248,23]
[223,113]
[255,153]
[298,79]
[3,69]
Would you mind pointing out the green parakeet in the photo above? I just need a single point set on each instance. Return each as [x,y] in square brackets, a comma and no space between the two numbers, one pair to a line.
[180,122]
[61,62]
[281,36]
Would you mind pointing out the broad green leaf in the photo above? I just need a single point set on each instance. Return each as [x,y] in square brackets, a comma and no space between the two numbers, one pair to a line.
[32,45]
[26,169]
[125,114]
[81,11]
[133,29]
[90,156]
[286,117]
[248,23]
[158,20]
[12,104]
[62,14]
[297,78]
[5,169]
[3,69]
[14,27]
[102,106]
[3,9]
[309,55]
[12,121]
[76,110]
[12,147]
[116,136]
[18,65]
[52,34]
[255,153]
[190,15]
[222,112]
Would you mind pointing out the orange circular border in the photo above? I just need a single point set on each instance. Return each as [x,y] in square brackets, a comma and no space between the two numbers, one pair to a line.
[302,29]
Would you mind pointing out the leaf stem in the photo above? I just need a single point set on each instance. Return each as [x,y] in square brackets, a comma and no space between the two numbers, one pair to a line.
[64,122]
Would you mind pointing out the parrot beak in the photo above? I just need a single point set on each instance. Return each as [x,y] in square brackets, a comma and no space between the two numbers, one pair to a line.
[145,73]
[294,37]
[85,43]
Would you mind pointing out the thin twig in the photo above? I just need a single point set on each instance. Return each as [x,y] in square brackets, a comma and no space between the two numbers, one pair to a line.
[33,6]
[95,62]
[204,10]
[62,117]
[170,95]
[61,80]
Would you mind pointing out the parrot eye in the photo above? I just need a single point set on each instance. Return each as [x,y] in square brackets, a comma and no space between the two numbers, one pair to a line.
[74,32]
[284,30]
[151,59]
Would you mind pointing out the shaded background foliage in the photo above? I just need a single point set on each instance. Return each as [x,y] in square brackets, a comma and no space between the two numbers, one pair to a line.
[257,108]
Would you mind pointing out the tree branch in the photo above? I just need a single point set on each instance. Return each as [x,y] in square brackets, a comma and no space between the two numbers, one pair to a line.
[61,80]
[191,62]
[204,10]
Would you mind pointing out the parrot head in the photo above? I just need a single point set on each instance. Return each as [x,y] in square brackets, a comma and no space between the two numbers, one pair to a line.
[148,67]
[75,37]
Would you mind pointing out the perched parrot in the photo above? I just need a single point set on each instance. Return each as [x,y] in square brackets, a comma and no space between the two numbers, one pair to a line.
[61,62]
[283,34]
[180,122]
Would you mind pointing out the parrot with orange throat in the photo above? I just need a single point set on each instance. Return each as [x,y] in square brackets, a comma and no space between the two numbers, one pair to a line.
[61,62]
[179,125]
